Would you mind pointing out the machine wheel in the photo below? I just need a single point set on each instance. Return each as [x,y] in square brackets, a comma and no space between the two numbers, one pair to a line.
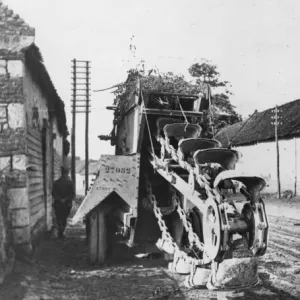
[97,237]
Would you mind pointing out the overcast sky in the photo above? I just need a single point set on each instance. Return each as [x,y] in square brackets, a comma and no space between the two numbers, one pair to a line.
[256,45]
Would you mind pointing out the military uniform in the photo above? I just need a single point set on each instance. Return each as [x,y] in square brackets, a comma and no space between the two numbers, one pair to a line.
[63,193]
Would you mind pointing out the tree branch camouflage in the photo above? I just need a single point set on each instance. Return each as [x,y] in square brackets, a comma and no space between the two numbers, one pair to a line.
[204,72]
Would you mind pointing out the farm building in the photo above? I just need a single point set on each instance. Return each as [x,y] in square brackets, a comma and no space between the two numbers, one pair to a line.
[33,133]
[255,139]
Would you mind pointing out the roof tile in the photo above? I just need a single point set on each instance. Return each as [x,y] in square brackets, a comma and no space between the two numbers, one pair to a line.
[259,127]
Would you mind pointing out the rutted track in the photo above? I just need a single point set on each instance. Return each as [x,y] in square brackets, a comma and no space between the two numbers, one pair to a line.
[285,236]
[60,271]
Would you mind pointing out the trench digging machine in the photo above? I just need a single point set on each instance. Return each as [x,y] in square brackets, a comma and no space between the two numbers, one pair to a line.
[166,185]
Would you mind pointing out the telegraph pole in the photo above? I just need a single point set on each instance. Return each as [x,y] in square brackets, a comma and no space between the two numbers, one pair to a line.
[87,107]
[276,123]
[73,141]
[81,104]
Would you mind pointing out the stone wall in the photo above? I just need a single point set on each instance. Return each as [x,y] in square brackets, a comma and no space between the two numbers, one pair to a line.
[27,148]
[14,214]
[15,33]
[13,158]
[6,240]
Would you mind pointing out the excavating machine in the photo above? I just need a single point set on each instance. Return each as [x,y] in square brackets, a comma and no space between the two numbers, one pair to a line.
[166,186]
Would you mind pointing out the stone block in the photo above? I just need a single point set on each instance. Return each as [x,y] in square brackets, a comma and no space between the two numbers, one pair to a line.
[20,162]
[18,198]
[20,217]
[4,162]
[3,112]
[15,68]
[21,235]
[11,89]
[16,115]
[2,67]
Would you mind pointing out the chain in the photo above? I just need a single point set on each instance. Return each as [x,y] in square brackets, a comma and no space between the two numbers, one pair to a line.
[148,203]
[192,236]
[203,182]
[161,223]
[166,237]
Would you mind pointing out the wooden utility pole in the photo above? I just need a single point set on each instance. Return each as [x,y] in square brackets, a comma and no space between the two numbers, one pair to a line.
[87,107]
[81,104]
[296,165]
[73,140]
[276,123]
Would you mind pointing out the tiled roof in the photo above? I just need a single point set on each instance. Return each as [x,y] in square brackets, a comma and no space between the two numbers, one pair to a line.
[93,168]
[35,64]
[79,165]
[259,127]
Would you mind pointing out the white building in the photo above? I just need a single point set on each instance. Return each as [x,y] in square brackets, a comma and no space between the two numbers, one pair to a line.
[255,139]
[80,175]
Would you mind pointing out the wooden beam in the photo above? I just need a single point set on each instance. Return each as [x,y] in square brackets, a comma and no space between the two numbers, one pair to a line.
[193,97]
[175,113]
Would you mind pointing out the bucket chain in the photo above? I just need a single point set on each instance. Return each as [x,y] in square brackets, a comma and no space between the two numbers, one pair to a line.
[192,236]
[148,203]
[166,237]
[201,179]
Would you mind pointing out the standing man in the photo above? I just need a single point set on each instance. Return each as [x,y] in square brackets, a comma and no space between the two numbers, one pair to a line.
[63,193]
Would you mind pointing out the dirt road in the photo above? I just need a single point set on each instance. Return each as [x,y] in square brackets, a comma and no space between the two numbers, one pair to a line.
[61,271]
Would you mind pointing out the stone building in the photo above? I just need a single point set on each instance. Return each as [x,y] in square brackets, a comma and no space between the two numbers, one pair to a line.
[32,138]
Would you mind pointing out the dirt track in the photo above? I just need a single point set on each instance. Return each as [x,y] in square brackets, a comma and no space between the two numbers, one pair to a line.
[61,270]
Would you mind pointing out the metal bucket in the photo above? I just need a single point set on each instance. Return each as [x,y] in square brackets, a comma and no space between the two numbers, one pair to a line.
[180,266]
[165,246]
[198,278]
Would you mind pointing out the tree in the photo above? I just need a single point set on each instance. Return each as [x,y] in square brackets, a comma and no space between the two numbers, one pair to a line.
[224,111]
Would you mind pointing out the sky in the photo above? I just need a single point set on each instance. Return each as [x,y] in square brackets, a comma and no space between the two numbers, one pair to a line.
[255,45]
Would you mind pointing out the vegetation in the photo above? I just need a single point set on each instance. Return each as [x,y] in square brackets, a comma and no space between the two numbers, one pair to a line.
[223,112]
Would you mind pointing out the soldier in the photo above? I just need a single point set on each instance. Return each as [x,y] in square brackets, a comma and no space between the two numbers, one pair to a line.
[63,193]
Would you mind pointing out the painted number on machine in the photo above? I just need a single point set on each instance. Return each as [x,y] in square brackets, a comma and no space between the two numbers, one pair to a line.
[117,170]
[103,188]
